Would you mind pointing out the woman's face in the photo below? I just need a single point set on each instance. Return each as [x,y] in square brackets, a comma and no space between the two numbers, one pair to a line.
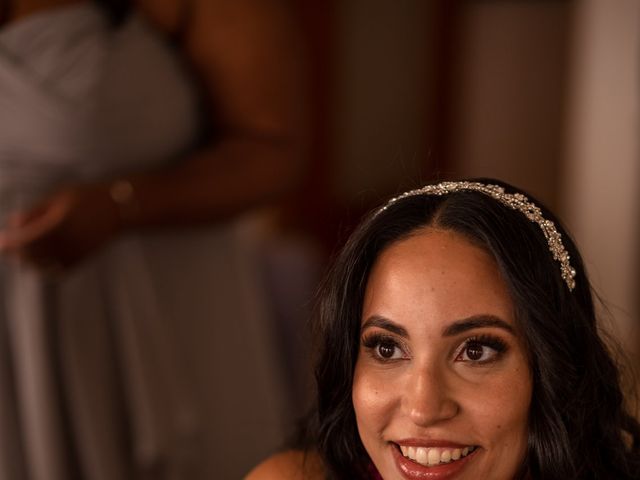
[442,385]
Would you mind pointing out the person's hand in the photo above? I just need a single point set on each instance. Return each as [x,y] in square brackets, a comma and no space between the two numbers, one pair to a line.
[62,229]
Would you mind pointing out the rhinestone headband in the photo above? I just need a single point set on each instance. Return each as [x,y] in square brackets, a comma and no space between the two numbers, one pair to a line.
[515,201]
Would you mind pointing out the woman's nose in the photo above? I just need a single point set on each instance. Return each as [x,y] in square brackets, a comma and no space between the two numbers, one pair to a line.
[428,397]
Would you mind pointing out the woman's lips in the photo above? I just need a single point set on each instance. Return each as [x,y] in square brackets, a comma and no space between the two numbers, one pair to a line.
[437,461]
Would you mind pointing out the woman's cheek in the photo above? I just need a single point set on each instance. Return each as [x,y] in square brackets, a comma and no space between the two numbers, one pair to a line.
[374,391]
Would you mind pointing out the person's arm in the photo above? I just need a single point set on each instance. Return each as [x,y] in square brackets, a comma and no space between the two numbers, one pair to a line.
[248,58]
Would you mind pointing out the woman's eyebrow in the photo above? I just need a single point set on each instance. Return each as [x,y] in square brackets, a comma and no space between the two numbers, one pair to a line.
[476,321]
[385,324]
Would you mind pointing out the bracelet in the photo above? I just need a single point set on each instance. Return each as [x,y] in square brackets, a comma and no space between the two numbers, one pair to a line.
[124,196]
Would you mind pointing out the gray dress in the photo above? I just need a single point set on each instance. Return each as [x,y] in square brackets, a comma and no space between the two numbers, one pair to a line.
[152,359]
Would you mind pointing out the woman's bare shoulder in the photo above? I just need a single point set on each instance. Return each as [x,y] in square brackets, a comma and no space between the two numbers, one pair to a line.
[289,465]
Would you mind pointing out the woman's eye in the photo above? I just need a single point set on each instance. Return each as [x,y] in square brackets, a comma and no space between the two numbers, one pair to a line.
[383,348]
[474,351]
[388,351]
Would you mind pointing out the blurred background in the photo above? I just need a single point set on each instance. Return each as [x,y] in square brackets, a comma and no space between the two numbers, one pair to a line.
[543,94]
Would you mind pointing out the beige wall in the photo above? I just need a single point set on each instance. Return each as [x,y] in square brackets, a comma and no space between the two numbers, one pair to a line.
[602,174]
[381,90]
[508,93]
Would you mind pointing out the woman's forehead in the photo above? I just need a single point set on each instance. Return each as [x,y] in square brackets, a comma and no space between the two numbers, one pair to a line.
[438,274]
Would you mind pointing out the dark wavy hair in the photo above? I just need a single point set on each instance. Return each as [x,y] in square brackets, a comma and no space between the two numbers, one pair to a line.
[578,425]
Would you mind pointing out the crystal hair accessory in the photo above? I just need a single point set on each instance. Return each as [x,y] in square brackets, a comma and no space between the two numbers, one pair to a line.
[515,201]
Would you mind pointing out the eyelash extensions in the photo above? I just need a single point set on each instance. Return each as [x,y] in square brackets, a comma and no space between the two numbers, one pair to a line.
[484,340]
[374,341]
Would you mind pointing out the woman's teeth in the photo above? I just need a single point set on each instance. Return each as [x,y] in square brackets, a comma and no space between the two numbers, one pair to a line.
[435,456]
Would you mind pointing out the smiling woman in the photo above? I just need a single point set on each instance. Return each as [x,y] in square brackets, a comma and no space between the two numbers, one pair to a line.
[458,340]
[442,384]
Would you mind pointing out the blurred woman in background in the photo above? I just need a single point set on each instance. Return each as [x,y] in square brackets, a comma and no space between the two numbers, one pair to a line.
[130,348]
